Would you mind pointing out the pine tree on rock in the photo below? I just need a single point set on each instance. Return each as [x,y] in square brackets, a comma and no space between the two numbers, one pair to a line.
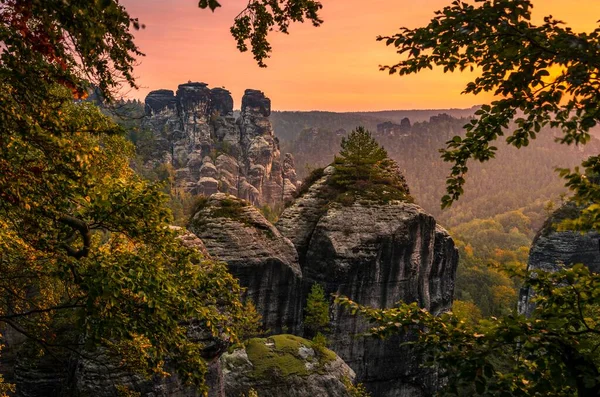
[360,154]
[363,169]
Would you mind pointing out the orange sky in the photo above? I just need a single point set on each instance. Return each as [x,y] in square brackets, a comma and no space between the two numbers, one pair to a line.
[333,67]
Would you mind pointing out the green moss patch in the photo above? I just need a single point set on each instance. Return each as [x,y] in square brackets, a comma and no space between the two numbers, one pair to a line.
[231,208]
[347,188]
[271,361]
[279,355]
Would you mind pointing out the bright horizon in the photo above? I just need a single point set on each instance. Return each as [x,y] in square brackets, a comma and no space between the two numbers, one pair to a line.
[334,67]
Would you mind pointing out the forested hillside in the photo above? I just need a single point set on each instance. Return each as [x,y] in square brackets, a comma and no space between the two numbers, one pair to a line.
[288,124]
[505,201]
[511,182]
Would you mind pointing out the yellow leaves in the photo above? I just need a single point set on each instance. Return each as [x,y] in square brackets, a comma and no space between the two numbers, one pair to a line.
[469,250]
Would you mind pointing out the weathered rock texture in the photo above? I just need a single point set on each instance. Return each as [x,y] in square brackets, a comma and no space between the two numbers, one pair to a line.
[213,151]
[552,250]
[284,365]
[257,254]
[376,254]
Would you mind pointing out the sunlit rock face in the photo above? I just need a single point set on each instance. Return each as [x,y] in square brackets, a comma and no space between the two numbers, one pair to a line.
[375,254]
[211,150]
[552,250]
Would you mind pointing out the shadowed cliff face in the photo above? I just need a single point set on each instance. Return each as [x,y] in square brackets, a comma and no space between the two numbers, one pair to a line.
[551,250]
[212,151]
[257,254]
[376,254]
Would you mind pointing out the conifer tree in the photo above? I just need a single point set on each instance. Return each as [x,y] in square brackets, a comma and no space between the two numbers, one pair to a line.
[316,317]
[360,155]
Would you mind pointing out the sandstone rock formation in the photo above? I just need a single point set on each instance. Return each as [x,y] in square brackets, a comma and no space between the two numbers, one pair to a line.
[212,151]
[284,365]
[376,254]
[551,250]
[392,129]
[258,255]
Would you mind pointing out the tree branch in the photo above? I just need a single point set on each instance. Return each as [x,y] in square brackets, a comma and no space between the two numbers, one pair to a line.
[85,233]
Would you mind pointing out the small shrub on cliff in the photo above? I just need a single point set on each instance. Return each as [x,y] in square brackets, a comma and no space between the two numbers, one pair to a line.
[251,393]
[232,208]
[229,208]
[316,313]
[271,213]
[251,325]
[125,391]
[353,390]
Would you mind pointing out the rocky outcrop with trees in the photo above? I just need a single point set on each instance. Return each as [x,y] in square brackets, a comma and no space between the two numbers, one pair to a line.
[354,231]
[554,249]
[209,149]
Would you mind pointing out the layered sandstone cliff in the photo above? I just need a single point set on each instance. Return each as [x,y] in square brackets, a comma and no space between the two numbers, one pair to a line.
[265,262]
[375,253]
[211,150]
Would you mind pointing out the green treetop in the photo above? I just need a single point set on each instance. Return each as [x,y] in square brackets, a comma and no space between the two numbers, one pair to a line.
[360,154]
[363,169]
[316,313]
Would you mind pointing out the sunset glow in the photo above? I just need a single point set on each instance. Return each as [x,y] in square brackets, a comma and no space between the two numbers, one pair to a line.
[333,67]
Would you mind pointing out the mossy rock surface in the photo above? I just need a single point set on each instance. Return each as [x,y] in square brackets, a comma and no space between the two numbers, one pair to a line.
[284,365]
[347,189]
[286,355]
[229,207]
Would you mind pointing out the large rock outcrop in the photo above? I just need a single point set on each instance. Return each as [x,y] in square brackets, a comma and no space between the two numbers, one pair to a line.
[257,254]
[211,150]
[376,254]
[552,250]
